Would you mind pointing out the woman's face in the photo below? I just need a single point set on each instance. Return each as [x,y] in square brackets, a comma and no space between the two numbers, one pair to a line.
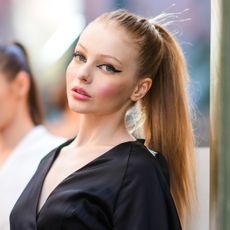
[102,74]
[8,102]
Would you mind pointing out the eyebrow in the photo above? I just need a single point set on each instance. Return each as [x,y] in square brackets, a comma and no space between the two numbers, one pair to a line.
[109,56]
[102,55]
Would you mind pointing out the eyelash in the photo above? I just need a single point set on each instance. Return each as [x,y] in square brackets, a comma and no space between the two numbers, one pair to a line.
[107,67]
[79,56]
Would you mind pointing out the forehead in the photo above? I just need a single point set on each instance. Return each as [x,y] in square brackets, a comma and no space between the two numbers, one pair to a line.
[108,38]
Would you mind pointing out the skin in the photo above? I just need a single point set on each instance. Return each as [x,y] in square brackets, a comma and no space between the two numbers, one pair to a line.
[15,121]
[87,70]
[102,67]
[8,102]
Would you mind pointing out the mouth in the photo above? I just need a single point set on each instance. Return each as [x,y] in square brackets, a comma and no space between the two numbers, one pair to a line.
[80,91]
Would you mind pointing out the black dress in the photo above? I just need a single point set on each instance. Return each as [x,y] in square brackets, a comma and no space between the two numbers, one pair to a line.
[123,189]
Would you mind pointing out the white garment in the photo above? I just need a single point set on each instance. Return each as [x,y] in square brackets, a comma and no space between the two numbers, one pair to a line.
[20,166]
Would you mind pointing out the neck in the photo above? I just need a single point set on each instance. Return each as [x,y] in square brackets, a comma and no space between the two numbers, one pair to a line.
[102,130]
[11,135]
[71,121]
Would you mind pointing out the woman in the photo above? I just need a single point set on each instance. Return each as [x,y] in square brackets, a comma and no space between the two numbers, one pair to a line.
[105,178]
[23,140]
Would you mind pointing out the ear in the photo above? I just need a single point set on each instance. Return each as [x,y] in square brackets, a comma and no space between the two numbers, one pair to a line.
[141,89]
[22,84]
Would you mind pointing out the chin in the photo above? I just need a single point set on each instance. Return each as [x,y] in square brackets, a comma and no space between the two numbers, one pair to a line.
[79,110]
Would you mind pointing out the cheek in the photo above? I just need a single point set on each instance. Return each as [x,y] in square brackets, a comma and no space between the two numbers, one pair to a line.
[69,75]
[112,90]
[69,72]
[8,98]
[7,94]
[9,107]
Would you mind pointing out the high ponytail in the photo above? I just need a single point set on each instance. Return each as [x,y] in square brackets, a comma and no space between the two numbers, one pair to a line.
[167,124]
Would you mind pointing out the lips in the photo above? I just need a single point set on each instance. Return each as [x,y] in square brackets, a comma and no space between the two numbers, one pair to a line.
[80,93]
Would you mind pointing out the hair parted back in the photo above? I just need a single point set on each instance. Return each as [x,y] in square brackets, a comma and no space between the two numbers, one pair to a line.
[13,59]
[167,125]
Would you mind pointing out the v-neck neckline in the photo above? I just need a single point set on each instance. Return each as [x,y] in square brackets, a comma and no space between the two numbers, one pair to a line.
[54,157]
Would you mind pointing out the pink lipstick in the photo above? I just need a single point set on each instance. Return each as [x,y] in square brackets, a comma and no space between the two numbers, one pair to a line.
[80,94]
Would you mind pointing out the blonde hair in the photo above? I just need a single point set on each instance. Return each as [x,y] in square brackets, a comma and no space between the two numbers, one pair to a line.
[167,125]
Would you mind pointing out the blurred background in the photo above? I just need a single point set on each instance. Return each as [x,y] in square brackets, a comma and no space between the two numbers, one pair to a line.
[49,30]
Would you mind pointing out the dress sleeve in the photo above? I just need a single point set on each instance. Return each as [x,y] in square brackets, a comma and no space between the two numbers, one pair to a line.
[144,201]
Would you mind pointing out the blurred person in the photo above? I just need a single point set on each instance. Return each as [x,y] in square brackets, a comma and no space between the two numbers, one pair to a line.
[66,123]
[23,138]
[105,178]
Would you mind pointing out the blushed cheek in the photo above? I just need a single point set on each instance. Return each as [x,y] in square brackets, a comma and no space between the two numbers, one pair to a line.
[112,90]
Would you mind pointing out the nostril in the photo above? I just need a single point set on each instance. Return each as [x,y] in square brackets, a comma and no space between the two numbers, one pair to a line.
[84,77]
[84,72]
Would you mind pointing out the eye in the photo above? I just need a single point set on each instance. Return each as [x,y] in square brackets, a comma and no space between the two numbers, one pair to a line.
[79,57]
[109,68]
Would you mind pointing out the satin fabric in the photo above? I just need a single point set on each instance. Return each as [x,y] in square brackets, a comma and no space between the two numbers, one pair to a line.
[123,189]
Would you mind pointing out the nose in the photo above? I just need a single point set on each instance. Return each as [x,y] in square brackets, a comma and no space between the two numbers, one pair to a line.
[84,73]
